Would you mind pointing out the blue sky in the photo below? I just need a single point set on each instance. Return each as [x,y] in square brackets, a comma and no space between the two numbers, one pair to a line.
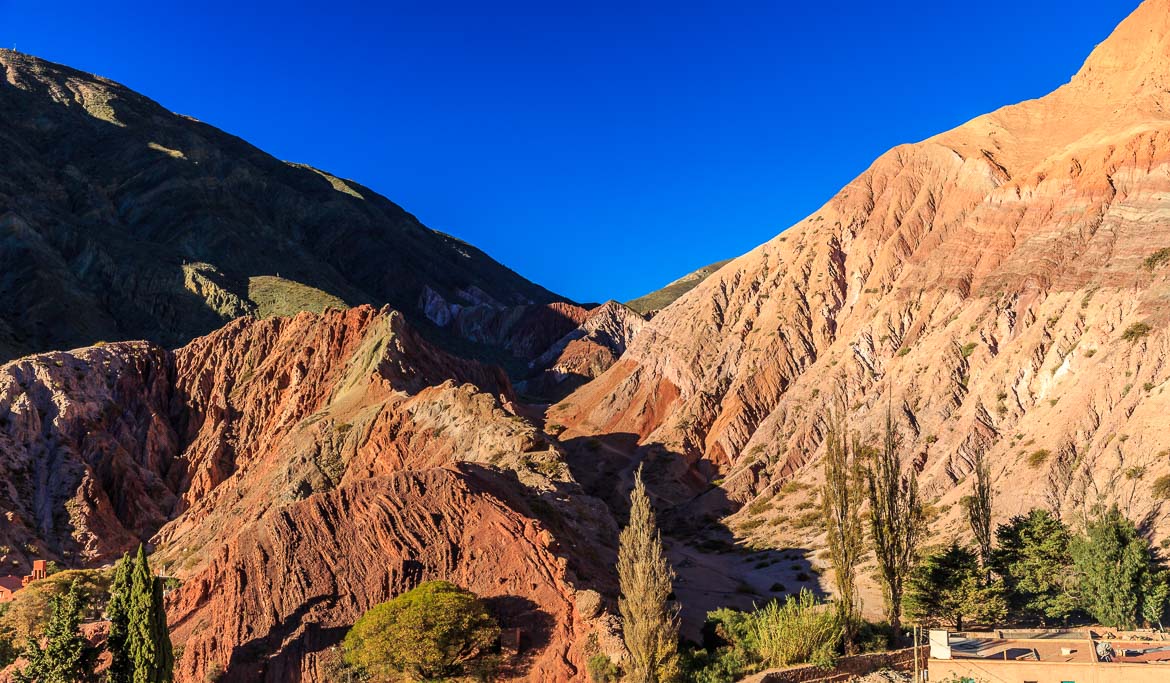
[599,148]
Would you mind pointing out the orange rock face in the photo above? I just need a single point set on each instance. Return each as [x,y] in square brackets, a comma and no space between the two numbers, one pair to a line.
[997,285]
[294,472]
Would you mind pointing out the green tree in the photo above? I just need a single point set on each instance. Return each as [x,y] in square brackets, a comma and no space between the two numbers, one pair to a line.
[118,613]
[1114,567]
[66,656]
[951,587]
[149,641]
[1033,559]
[978,509]
[841,501]
[1155,597]
[434,631]
[650,620]
[896,520]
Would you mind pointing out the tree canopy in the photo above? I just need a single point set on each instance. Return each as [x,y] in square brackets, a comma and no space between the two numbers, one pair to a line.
[950,587]
[434,631]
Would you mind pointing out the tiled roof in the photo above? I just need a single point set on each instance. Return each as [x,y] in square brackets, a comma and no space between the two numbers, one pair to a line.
[12,583]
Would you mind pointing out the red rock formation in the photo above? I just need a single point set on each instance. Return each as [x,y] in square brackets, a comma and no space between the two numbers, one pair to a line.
[586,352]
[302,452]
[305,572]
[981,282]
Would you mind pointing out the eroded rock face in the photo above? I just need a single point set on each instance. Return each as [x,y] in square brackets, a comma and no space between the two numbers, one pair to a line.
[586,352]
[524,331]
[991,284]
[89,452]
[294,472]
[305,573]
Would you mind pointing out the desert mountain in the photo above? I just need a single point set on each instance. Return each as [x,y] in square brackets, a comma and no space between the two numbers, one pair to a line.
[294,472]
[1003,288]
[122,220]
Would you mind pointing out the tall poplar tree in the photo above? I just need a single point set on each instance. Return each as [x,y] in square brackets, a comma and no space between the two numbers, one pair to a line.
[896,520]
[649,621]
[978,508]
[843,495]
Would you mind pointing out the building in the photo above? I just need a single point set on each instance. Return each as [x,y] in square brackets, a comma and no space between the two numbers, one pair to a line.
[1049,657]
[10,585]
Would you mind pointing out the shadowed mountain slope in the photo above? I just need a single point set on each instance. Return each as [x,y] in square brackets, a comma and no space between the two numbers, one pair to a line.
[122,220]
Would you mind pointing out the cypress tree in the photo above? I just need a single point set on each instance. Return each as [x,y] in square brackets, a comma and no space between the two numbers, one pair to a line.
[66,656]
[118,612]
[649,622]
[148,638]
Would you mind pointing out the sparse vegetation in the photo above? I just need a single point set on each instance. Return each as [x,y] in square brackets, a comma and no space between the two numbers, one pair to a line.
[1038,457]
[1135,332]
[1157,259]
[1161,487]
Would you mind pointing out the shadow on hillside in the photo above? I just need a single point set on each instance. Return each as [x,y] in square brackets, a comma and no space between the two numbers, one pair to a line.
[589,548]
[533,625]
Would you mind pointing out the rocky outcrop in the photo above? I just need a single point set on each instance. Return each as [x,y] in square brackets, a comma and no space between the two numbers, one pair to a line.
[306,573]
[584,353]
[293,472]
[132,222]
[524,331]
[1000,287]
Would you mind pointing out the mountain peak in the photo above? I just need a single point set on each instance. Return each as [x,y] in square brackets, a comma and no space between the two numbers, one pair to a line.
[1136,56]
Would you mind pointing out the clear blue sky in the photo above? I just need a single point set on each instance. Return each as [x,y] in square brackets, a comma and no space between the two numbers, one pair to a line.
[598,148]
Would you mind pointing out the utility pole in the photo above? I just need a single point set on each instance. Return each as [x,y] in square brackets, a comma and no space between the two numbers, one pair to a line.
[917,677]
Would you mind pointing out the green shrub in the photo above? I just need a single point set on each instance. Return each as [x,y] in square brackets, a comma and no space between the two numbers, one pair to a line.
[1135,332]
[1038,457]
[602,669]
[1162,487]
[1157,259]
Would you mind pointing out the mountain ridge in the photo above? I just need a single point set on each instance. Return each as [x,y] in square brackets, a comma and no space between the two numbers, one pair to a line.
[136,223]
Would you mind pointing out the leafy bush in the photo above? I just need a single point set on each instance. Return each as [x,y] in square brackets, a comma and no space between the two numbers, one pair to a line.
[949,587]
[437,630]
[1034,561]
[1135,332]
